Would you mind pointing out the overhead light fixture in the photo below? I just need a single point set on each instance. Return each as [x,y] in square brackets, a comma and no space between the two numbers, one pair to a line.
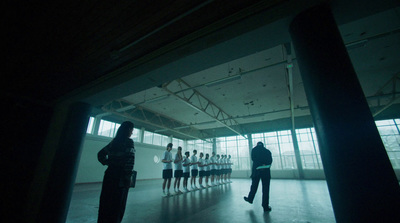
[223,80]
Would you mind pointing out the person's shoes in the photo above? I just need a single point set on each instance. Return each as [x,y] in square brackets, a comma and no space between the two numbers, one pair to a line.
[247,200]
[267,209]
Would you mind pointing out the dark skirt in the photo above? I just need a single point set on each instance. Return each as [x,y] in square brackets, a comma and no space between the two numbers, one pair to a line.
[112,198]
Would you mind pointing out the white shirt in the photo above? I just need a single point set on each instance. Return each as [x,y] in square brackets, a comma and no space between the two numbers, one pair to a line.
[168,157]
[212,160]
[225,166]
[207,161]
[178,165]
[201,161]
[186,169]
[229,163]
[194,160]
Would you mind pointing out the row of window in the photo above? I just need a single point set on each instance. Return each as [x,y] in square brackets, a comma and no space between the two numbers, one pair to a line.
[280,143]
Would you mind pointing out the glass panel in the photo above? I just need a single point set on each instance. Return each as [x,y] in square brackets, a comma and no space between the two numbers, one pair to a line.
[148,137]
[106,128]
[135,135]
[90,125]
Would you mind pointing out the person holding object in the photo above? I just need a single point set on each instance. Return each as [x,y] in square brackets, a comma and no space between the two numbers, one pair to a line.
[194,170]
[262,160]
[186,170]
[202,170]
[178,170]
[167,171]
[119,156]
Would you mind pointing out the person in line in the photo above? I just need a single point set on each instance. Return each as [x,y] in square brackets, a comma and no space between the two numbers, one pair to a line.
[178,173]
[167,171]
[207,168]
[202,172]
[194,170]
[218,170]
[213,166]
[262,160]
[186,170]
[229,168]
[119,156]
[224,169]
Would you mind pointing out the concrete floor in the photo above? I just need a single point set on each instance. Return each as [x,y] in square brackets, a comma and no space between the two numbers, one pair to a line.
[291,201]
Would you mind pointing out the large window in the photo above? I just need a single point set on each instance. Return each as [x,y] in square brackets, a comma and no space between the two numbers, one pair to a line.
[107,128]
[199,145]
[390,134]
[90,125]
[155,139]
[238,148]
[281,146]
[309,150]
[178,142]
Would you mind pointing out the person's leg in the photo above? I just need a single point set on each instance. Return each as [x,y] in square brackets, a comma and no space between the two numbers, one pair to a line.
[265,179]
[169,184]
[122,206]
[178,184]
[192,179]
[175,183]
[254,186]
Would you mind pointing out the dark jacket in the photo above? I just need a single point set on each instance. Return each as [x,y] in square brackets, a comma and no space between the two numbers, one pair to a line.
[260,156]
[118,155]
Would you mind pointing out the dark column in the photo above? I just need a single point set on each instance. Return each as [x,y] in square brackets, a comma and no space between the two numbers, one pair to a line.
[60,183]
[361,181]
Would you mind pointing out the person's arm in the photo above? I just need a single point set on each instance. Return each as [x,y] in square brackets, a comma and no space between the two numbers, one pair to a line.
[177,160]
[165,158]
[186,164]
[102,155]
[200,164]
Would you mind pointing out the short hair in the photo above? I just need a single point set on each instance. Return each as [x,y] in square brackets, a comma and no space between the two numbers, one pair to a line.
[187,153]
[195,151]
[260,144]
[169,145]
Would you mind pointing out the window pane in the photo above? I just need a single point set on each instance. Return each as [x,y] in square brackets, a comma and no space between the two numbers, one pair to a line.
[90,125]
[135,135]
[148,137]
[106,128]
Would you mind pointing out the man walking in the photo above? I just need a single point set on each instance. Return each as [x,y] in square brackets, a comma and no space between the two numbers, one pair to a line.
[262,160]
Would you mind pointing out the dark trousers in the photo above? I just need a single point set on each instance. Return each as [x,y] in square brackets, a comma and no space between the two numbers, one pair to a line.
[112,199]
[265,176]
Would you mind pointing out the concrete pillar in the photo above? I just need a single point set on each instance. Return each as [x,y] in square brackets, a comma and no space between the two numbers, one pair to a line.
[250,140]
[361,181]
[297,152]
[51,190]
[96,125]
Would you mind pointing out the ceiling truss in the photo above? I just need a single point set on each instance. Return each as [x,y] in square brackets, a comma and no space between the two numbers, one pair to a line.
[197,101]
[142,115]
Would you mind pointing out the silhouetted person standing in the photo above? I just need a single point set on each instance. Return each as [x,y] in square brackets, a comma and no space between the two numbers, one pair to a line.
[119,156]
[262,160]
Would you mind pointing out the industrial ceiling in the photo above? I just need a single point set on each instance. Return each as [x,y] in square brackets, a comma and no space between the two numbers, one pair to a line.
[201,69]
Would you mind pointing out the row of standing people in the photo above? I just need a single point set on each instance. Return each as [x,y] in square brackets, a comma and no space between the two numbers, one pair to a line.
[212,170]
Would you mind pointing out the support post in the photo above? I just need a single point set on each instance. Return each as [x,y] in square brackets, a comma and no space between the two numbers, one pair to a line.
[51,190]
[361,181]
